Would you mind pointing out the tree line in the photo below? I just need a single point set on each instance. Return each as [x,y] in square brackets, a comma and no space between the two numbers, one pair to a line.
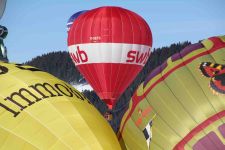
[60,65]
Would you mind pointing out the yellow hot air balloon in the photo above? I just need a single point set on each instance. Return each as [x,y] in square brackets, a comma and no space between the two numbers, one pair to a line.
[39,111]
[181,104]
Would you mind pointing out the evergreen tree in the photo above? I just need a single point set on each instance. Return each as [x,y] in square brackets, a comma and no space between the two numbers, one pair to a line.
[60,65]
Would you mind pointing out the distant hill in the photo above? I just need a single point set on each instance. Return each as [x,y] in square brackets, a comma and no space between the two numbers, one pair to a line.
[60,65]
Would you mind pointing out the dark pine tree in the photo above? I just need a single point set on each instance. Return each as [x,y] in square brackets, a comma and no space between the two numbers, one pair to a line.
[60,65]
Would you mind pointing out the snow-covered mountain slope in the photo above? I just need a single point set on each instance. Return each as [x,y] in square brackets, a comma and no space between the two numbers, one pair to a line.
[82,87]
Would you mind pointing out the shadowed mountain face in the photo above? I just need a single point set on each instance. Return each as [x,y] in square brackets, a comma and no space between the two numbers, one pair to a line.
[60,65]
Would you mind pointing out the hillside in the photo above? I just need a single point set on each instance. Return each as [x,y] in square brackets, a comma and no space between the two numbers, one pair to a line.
[57,63]
[60,65]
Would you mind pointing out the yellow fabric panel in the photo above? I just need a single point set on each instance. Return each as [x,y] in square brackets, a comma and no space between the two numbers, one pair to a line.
[39,111]
[134,140]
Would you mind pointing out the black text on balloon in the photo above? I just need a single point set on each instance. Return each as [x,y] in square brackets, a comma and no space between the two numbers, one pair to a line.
[28,96]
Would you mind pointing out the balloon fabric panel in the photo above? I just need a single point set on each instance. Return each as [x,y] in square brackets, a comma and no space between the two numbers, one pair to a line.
[109,46]
[39,111]
[189,109]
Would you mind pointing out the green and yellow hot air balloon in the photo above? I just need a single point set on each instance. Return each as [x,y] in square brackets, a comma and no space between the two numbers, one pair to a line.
[181,104]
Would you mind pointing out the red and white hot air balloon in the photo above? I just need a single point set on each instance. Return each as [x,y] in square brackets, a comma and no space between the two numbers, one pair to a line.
[109,46]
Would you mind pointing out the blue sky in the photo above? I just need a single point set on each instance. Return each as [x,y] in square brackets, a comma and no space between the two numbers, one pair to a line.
[39,26]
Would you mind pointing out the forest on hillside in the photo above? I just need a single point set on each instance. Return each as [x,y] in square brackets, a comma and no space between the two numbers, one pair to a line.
[60,65]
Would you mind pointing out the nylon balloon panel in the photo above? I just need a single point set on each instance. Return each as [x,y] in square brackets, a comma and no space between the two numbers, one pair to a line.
[185,92]
[39,111]
[2,7]
[133,140]
[182,94]
[219,55]
[109,46]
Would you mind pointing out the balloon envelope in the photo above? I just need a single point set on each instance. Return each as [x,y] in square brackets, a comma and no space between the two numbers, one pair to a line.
[3,32]
[72,19]
[109,46]
[2,7]
[39,111]
[187,98]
